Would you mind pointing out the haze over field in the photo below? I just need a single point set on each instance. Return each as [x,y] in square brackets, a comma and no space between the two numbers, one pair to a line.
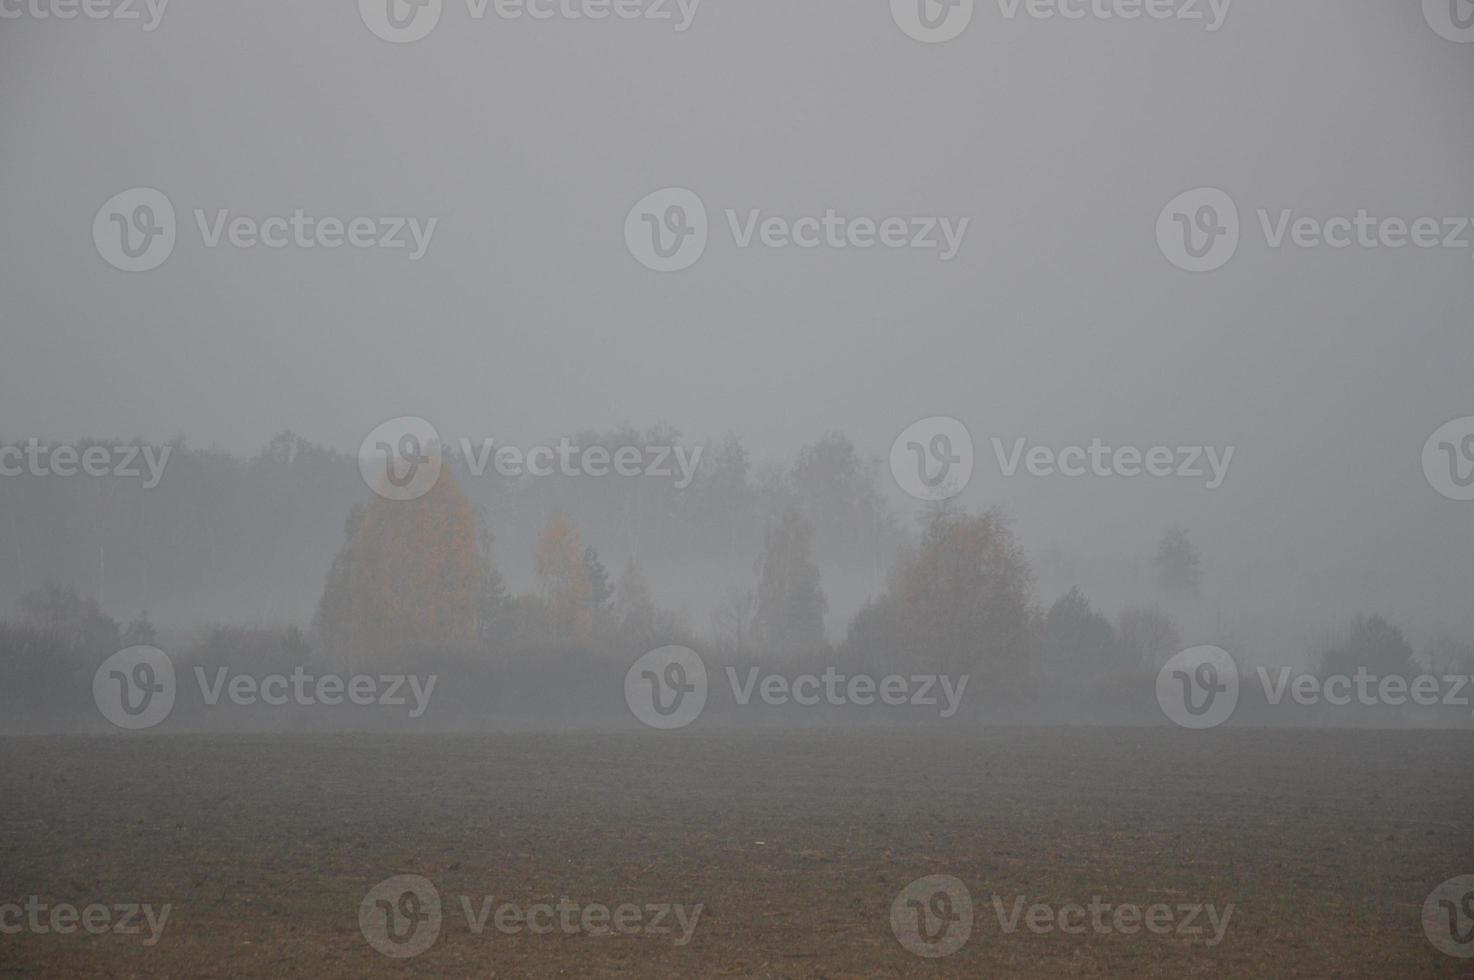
[788,489]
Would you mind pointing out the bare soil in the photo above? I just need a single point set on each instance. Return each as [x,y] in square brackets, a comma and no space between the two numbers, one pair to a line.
[1326,844]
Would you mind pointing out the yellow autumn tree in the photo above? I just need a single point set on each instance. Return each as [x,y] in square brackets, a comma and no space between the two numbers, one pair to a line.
[564,584]
[412,576]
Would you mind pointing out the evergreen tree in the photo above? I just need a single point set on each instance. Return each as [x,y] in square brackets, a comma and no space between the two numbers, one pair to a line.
[600,591]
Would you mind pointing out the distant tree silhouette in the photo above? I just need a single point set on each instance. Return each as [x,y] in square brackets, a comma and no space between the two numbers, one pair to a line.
[1079,638]
[563,582]
[733,622]
[600,591]
[74,622]
[634,609]
[1178,563]
[140,632]
[961,602]
[1147,636]
[789,614]
[1374,644]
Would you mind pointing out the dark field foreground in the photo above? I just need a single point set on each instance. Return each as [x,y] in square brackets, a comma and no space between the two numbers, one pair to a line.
[1326,843]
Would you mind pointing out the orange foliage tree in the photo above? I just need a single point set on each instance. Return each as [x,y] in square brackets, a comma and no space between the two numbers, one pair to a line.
[411,576]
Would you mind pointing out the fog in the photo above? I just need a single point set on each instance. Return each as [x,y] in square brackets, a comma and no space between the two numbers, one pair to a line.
[612,366]
[1058,321]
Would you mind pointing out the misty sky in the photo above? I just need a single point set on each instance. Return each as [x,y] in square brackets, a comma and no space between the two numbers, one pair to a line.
[1059,321]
